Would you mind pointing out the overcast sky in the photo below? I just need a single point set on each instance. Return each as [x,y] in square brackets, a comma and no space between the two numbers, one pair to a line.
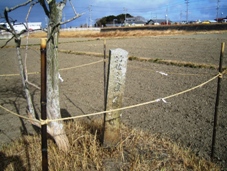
[149,9]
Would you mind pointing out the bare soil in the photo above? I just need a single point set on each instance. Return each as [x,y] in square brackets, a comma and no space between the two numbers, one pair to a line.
[186,119]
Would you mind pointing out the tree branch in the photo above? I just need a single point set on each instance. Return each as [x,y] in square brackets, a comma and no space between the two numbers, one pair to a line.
[73,7]
[6,29]
[34,85]
[71,19]
[29,11]
[62,4]
[26,51]
[7,41]
[49,1]
[43,4]
[20,5]
[7,20]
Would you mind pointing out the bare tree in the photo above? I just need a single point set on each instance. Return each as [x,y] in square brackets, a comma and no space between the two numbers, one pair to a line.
[53,11]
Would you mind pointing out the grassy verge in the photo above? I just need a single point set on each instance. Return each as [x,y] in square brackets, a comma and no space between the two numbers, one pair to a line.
[137,151]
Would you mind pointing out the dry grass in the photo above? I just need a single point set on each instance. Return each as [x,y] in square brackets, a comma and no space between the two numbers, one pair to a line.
[175,62]
[137,151]
[117,33]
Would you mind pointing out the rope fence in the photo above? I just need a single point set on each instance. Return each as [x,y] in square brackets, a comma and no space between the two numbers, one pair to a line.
[62,69]
[43,122]
[96,62]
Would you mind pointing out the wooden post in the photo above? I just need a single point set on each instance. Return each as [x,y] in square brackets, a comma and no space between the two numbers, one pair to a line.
[43,105]
[217,102]
[115,90]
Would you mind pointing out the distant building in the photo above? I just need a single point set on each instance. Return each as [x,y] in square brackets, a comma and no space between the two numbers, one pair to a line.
[134,21]
[220,20]
[22,26]
[158,22]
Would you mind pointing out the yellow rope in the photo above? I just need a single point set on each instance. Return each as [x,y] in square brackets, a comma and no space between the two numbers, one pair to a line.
[63,69]
[42,122]
[24,117]
[92,63]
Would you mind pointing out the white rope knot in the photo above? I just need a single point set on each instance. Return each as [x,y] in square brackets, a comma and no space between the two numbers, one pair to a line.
[220,75]
[44,122]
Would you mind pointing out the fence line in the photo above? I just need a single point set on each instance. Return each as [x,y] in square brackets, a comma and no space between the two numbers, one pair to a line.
[63,69]
[92,63]
[42,122]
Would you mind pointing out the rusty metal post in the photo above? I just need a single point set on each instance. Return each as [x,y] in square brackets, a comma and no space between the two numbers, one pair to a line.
[217,102]
[43,105]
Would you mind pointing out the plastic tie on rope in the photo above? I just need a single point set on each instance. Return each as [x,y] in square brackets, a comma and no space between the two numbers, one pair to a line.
[163,100]
[60,78]
[162,73]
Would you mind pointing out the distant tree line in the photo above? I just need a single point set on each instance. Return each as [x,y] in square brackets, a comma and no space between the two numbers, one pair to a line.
[109,19]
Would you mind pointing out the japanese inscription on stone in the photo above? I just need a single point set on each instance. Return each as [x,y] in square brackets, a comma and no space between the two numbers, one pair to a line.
[116,78]
[115,91]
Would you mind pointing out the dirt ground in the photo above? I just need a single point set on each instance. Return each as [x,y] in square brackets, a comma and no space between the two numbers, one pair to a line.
[186,118]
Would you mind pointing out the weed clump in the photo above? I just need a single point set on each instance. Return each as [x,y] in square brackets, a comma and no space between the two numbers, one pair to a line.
[137,150]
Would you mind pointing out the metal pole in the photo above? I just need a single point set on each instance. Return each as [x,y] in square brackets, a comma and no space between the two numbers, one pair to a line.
[104,70]
[187,2]
[43,105]
[217,9]
[217,102]
[104,80]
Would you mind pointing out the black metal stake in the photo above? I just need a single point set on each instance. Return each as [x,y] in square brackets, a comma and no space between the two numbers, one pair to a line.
[104,84]
[217,102]
[104,49]
[43,105]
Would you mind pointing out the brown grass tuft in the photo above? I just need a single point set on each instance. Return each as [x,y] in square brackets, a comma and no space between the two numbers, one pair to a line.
[137,151]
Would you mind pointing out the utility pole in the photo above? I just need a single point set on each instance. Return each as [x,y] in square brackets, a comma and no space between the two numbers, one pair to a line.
[217,9]
[46,21]
[181,16]
[187,2]
[156,17]
[167,15]
[125,13]
[90,20]
[64,20]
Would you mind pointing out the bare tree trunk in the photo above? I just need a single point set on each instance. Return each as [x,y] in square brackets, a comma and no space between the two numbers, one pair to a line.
[53,103]
[53,11]
[23,78]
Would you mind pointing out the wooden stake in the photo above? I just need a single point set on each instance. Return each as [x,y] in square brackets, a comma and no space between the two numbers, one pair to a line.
[217,102]
[43,105]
